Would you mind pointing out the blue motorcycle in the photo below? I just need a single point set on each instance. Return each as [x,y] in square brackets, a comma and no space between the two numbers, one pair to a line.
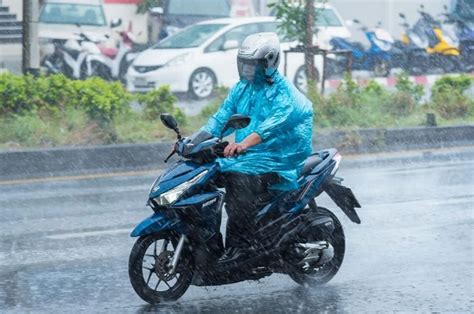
[380,57]
[180,243]
[464,31]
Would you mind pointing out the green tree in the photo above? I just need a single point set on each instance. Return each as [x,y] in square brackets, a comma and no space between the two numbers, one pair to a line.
[298,22]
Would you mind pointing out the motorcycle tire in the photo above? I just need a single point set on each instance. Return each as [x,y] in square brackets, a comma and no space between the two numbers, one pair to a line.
[450,64]
[137,274]
[381,68]
[327,271]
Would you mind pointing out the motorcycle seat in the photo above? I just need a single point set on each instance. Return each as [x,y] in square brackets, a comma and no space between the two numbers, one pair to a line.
[310,163]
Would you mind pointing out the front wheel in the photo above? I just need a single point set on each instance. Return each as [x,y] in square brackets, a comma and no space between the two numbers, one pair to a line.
[382,68]
[148,269]
[301,81]
[316,274]
[202,83]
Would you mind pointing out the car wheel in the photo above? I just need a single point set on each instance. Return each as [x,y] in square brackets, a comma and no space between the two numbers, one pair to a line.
[300,80]
[202,83]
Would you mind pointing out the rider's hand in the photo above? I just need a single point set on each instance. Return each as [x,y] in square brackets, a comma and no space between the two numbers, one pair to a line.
[234,149]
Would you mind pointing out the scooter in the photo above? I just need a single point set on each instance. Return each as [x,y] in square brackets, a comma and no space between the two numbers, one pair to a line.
[112,63]
[180,243]
[378,58]
[68,56]
[442,42]
[413,44]
[465,34]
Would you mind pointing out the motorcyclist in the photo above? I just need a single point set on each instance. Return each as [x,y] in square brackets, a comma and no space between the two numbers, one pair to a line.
[276,142]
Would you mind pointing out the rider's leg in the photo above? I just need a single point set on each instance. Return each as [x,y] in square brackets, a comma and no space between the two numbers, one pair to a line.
[245,196]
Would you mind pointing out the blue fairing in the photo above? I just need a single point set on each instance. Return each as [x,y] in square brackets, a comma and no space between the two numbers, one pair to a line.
[197,199]
[181,172]
[342,44]
[155,223]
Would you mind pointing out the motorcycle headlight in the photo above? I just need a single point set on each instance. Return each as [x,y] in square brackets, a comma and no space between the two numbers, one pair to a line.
[174,194]
[181,59]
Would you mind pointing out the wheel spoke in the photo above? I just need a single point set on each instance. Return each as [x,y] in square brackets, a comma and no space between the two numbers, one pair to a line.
[165,245]
[149,276]
[157,284]
[167,284]
[154,250]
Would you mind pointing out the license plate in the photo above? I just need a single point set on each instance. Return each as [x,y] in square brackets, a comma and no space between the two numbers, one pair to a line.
[140,81]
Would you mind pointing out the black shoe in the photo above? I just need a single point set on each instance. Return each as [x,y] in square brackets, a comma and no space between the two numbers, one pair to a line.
[232,256]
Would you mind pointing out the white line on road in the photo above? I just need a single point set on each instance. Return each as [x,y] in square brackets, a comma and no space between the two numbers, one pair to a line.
[64,236]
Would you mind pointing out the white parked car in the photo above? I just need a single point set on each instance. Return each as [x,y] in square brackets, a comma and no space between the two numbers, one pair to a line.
[203,56]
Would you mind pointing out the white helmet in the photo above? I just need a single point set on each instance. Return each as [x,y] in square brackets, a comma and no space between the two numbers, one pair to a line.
[258,55]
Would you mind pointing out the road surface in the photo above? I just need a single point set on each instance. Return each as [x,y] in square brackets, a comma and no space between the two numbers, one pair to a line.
[64,247]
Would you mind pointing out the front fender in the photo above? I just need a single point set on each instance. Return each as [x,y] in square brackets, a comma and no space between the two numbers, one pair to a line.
[155,223]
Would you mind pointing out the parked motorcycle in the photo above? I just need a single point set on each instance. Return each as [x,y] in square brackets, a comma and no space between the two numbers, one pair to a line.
[180,243]
[377,58]
[413,45]
[442,42]
[68,56]
[112,62]
[465,34]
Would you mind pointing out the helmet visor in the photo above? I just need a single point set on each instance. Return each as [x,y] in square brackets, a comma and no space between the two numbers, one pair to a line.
[248,69]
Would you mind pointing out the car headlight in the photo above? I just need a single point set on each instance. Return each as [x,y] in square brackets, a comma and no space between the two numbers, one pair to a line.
[182,58]
[174,194]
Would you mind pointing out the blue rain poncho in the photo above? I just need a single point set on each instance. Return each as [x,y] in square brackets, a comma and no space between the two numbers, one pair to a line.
[281,116]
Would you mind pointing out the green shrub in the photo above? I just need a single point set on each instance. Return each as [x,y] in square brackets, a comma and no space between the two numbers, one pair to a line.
[213,106]
[13,96]
[404,85]
[133,128]
[159,101]
[37,130]
[100,99]
[449,97]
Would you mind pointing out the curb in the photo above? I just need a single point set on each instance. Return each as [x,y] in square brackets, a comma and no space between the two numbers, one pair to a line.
[132,157]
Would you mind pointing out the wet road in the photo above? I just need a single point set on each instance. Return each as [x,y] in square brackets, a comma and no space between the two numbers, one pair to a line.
[64,246]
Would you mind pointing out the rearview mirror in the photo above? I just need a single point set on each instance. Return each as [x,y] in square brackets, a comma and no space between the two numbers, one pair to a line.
[356,21]
[445,7]
[236,121]
[402,15]
[230,44]
[115,23]
[169,121]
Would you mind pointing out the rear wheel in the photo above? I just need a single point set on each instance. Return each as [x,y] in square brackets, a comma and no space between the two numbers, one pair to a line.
[148,269]
[313,274]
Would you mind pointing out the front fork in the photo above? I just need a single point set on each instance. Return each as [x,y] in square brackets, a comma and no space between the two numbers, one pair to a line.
[177,254]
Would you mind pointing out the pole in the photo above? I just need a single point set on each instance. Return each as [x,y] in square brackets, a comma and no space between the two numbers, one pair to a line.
[309,55]
[30,60]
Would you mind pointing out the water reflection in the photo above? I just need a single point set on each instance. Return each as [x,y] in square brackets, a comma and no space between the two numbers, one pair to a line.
[325,299]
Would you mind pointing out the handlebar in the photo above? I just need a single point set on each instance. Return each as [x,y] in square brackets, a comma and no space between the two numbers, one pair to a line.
[183,149]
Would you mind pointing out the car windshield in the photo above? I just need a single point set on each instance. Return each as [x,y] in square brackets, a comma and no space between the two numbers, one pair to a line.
[202,7]
[70,13]
[190,37]
[327,17]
